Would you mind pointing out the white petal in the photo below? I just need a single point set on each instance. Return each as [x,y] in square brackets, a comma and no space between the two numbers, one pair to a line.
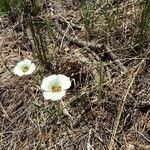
[48,82]
[65,81]
[18,71]
[25,62]
[31,69]
[54,96]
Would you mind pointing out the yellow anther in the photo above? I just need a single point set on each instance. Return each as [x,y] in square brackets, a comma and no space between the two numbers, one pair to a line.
[25,69]
[56,89]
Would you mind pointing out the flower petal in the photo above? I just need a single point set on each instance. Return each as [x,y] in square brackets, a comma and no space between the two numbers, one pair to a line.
[48,82]
[18,71]
[31,69]
[65,81]
[54,96]
[25,62]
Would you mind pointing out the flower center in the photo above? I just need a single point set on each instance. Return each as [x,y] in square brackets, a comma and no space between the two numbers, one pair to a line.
[56,89]
[25,69]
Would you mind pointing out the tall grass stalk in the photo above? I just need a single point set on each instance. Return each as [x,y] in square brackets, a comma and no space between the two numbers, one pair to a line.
[5,6]
[8,6]
[38,31]
[144,26]
[87,9]
[41,51]
[49,27]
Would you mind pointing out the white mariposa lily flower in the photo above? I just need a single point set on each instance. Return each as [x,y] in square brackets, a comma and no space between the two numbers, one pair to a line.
[54,87]
[24,67]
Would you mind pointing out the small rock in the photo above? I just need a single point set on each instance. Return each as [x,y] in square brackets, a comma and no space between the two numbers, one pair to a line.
[131,147]
[66,49]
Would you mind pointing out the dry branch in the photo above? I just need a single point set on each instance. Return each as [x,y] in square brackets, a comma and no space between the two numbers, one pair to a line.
[116,60]
[92,46]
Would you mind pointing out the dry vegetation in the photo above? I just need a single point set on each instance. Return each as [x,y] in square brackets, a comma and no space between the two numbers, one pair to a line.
[109,103]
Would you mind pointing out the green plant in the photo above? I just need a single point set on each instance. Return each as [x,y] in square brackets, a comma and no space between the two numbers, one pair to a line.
[49,27]
[39,28]
[53,114]
[13,9]
[30,7]
[40,44]
[144,26]
[7,6]
[87,9]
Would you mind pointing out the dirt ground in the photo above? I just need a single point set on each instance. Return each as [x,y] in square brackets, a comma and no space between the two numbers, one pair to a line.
[108,105]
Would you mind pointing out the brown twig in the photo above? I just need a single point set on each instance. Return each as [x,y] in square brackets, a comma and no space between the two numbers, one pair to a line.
[65,111]
[116,60]
[80,116]
[143,104]
[61,19]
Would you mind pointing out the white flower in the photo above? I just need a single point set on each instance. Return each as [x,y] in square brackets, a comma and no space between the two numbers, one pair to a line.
[55,86]
[24,67]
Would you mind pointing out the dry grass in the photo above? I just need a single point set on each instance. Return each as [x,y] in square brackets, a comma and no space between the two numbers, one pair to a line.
[113,118]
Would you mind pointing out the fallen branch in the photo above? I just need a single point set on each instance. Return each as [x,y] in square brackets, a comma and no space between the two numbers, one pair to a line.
[116,60]
[64,20]
[92,46]
[77,41]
